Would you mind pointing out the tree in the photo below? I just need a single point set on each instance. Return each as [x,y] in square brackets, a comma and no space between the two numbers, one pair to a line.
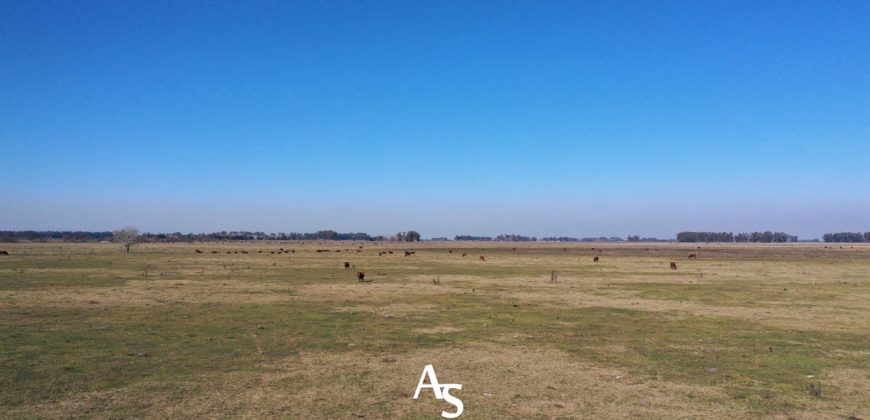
[412,236]
[126,236]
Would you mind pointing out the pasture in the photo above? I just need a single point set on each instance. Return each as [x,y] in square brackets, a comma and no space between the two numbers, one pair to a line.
[534,331]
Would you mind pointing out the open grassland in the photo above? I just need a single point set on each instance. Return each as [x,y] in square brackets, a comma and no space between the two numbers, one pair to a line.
[742,331]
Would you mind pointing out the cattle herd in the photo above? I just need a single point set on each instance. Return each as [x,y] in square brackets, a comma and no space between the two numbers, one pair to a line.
[361,277]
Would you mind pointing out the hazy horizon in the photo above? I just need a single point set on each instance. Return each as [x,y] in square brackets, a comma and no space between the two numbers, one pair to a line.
[541,119]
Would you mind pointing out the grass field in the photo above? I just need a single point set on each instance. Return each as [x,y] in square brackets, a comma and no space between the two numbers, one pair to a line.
[743,331]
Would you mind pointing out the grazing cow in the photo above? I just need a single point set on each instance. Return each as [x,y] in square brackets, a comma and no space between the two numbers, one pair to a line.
[595,259]
[464,254]
[346,265]
[214,252]
[449,251]
[673,265]
[361,276]
[693,256]
[4,252]
[482,258]
[198,251]
[408,253]
[389,252]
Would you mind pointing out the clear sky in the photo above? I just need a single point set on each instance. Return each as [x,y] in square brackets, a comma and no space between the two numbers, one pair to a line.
[575,118]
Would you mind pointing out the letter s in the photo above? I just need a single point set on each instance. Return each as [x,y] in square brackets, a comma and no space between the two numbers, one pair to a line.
[452,400]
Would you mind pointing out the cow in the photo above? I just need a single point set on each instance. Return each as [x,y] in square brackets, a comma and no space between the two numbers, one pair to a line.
[409,253]
[360,276]
[346,265]
[449,251]
[464,254]
[673,265]
[214,252]
[595,259]
[693,256]
[482,258]
[198,251]
[4,252]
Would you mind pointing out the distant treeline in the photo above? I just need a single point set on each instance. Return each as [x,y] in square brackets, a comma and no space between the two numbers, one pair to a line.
[846,237]
[50,235]
[471,238]
[633,238]
[762,237]
[500,238]
[409,236]
[520,238]
[323,235]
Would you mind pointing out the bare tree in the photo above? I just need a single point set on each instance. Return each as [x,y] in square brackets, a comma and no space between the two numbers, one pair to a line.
[126,236]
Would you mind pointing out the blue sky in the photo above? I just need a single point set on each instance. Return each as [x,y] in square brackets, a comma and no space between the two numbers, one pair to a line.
[540,118]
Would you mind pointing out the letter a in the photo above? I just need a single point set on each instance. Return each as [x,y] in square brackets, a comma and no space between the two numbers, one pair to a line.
[433,382]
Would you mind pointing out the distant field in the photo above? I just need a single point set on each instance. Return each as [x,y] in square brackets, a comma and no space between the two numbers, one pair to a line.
[742,331]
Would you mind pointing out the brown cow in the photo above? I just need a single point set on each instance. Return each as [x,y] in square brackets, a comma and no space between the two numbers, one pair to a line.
[4,252]
[595,259]
[673,265]
[361,276]
[464,254]
[346,265]
[482,258]
[409,253]
[198,251]
[693,256]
